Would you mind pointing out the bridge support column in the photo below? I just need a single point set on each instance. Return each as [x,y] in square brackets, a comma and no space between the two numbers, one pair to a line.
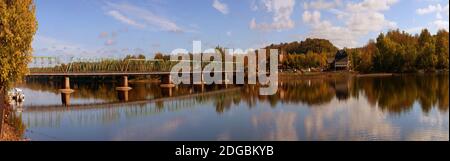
[123,95]
[124,84]
[66,86]
[167,92]
[123,91]
[66,91]
[166,81]
[65,99]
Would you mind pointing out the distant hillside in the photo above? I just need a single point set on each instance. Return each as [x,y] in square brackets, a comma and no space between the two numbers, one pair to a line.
[308,45]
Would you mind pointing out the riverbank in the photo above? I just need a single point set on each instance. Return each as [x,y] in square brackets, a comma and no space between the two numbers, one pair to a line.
[7,132]
[347,74]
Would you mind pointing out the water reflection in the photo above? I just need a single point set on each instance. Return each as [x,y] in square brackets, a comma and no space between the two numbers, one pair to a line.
[11,125]
[409,107]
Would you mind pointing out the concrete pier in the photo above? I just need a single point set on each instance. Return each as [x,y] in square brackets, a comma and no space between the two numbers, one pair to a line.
[66,86]
[123,95]
[166,81]
[167,92]
[123,90]
[65,99]
[124,86]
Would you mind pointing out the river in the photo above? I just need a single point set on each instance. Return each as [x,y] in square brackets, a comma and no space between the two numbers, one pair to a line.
[408,107]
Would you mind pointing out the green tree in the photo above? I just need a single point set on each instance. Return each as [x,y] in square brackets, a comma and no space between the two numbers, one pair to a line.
[18,26]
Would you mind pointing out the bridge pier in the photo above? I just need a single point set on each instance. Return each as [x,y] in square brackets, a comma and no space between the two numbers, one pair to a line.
[66,91]
[123,91]
[167,92]
[124,86]
[166,81]
[65,99]
[66,87]
[123,95]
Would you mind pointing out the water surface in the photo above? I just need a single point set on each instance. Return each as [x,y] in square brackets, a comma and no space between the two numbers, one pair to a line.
[411,107]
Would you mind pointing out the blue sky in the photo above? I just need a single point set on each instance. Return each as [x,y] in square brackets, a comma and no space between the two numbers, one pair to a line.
[105,28]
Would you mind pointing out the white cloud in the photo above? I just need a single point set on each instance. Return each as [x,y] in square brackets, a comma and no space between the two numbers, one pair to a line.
[313,17]
[321,4]
[221,7]
[281,10]
[437,9]
[441,24]
[371,5]
[429,9]
[146,18]
[118,16]
[359,19]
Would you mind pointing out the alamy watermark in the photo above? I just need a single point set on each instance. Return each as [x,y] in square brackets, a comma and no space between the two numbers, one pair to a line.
[213,66]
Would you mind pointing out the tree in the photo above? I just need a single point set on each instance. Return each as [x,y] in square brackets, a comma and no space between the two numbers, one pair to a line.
[159,56]
[427,53]
[313,45]
[365,56]
[441,38]
[18,26]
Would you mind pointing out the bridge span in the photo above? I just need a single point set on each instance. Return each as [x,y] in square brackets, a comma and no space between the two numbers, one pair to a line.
[165,77]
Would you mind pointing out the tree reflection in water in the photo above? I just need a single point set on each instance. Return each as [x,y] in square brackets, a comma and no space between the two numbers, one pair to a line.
[315,102]
[11,125]
[394,94]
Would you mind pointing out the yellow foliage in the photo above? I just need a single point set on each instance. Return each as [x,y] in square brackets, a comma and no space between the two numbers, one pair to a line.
[18,26]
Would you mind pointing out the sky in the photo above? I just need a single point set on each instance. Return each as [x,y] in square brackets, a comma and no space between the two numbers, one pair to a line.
[107,28]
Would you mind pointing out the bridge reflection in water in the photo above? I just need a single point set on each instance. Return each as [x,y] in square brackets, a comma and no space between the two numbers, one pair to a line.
[165,78]
[365,106]
[52,116]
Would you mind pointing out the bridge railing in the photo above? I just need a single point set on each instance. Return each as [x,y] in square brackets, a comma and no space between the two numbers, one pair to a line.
[110,65]
[107,65]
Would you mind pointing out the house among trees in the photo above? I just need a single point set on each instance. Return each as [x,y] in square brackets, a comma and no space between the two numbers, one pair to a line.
[341,61]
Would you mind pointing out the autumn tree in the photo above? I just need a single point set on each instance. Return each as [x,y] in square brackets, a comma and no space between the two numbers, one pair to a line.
[427,57]
[442,49]
[159,56]
[366,57]
[17,28]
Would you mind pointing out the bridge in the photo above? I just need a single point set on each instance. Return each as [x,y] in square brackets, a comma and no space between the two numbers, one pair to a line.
[165,77]
[121,68]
